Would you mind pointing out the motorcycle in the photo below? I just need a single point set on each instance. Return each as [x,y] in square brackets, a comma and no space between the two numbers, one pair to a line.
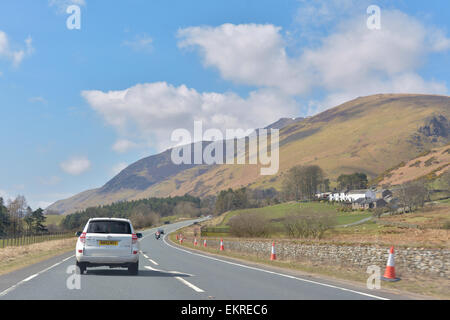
[157,235]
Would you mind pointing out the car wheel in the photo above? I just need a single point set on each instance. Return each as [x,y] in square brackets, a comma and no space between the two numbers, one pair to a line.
[81,267]
[133,268]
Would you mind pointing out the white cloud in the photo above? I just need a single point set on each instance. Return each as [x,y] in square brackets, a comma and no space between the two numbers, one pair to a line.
[153,110]
[140,43]
[43,204]
[38,99]
[123,145]
[15,56]
[349,62]
[119,167]
[249,54]
[5,195]
[76,165]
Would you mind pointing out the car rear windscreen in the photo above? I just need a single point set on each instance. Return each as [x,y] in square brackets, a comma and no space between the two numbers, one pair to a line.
[106,226]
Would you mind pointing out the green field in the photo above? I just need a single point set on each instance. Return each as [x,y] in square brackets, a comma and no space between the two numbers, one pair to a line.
[53,219]
[276,213]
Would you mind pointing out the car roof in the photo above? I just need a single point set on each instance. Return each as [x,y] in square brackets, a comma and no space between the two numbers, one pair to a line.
[112,219]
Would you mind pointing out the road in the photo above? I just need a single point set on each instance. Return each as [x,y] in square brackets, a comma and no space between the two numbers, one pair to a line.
[169,272]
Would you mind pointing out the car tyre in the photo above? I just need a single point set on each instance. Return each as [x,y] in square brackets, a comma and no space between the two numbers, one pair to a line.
[81,267]
[133,269]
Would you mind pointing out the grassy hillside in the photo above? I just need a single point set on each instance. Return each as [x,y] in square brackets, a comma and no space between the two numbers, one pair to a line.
[429,165]
[369,134]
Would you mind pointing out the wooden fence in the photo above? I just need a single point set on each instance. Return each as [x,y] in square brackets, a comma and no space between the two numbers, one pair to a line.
[214,231]
[26,239]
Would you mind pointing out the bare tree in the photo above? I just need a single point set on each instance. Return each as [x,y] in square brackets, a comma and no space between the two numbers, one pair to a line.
[17,210]
[186,209]
[302,182]
[412,195]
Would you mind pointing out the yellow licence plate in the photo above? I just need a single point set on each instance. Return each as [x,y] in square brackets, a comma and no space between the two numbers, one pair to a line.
[108,243]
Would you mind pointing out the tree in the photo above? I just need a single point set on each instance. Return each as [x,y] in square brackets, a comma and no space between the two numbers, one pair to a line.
[302,182]
[231,200]
[4,218]
[17,210]
[28,219]
[352,181]
[38,220]
[411,195]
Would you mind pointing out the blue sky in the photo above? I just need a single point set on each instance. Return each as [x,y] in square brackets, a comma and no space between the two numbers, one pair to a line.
[78,105]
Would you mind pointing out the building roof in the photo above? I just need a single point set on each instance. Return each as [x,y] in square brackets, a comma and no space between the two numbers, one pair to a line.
[362,191]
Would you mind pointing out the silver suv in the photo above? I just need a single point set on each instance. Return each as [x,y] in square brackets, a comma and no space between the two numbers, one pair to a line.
[108,242]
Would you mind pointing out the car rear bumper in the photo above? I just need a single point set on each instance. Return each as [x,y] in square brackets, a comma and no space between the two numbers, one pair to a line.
[107,261]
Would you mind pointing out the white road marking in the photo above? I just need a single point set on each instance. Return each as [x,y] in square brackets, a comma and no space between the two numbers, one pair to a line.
[275,273]
[146,256]
[30,277]
[190,285]
[156,264]
[5,292]
[173,272]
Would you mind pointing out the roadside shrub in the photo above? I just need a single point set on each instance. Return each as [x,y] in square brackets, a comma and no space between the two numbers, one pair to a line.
[377,212]
[308,225]
[446,225]
[249,225]
[140,220]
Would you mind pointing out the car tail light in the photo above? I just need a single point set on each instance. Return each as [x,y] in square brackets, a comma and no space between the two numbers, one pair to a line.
[134,238]
[83,237]
[135,252]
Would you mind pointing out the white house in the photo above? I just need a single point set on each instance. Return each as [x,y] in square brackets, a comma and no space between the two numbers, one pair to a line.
[352,195]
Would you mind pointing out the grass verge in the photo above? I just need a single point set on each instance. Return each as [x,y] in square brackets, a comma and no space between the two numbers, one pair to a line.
[14,258]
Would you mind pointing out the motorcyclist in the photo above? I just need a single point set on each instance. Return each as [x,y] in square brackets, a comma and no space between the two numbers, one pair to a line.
[157,235]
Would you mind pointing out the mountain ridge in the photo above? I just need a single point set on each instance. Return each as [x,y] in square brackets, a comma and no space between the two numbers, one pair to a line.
[367,134]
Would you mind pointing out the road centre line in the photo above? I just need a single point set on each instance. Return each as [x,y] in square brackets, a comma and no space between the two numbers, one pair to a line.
[190,285]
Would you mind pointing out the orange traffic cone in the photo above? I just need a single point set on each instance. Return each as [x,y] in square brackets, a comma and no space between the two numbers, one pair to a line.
[273,255]
[389,274]
[204,243]
[195,242]
[221,245]
[178,238]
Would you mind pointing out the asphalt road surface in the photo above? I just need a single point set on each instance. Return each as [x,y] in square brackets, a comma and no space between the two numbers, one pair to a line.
[169,272]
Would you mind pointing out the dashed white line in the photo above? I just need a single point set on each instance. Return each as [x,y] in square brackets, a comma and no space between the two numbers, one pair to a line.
[155,263]
[190,285]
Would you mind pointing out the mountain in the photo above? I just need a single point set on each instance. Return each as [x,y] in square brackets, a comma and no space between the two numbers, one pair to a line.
[283,122]
[369,134]
[430,165]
